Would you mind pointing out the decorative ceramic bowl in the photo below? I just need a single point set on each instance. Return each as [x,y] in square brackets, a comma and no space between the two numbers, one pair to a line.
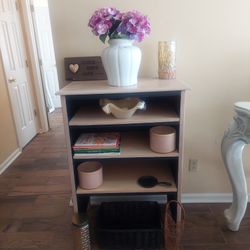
[162,139]
[90,174]
[123,108]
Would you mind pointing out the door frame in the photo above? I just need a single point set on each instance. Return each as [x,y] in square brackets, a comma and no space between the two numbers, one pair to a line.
[32,51]
[33,99]
[53,101]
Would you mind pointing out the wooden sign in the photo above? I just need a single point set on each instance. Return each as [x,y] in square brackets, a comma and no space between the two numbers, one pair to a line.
[84,68]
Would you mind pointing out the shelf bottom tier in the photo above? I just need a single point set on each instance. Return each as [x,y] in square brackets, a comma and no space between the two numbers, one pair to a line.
[120,177]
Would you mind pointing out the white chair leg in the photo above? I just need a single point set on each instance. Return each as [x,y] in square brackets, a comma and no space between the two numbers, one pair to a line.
[232,156]
[233,143]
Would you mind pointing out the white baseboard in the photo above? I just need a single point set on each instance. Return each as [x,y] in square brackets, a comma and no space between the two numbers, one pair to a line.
[9,160]
[208,198]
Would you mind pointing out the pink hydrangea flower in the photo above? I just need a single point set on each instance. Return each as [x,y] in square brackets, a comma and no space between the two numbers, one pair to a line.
[103,19]
[110,22]
[135,25]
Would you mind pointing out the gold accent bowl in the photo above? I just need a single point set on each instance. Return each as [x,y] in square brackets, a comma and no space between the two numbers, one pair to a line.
[123,108]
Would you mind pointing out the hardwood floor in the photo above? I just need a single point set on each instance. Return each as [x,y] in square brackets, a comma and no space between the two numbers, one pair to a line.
[35,212]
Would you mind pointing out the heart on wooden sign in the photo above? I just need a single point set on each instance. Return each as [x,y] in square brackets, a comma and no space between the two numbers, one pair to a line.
[74,68]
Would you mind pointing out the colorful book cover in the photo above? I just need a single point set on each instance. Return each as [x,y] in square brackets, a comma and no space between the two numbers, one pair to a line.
[97,140]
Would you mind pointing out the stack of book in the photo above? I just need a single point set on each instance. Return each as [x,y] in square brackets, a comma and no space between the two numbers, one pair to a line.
[97,143]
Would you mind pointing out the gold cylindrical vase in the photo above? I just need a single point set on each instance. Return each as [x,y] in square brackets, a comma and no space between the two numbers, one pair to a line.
[166,60]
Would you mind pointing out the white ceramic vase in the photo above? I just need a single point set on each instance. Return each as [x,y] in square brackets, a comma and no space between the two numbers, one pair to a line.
[121,61]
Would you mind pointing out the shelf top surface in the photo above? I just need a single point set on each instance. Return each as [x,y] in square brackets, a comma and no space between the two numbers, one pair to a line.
[102,87]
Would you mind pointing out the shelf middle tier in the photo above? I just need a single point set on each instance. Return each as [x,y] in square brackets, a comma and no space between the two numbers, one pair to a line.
[121,177]
[133,145]
[93,115]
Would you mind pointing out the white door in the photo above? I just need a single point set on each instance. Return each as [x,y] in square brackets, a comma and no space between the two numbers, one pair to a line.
[16,70]
[46,52]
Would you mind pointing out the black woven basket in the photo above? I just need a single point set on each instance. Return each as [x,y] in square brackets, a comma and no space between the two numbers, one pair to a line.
[130,225]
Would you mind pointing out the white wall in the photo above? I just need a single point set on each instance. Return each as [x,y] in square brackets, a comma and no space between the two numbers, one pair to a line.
[213,57]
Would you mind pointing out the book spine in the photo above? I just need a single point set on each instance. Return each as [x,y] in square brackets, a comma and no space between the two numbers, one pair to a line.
[96,154]
[96,151]
[95,147]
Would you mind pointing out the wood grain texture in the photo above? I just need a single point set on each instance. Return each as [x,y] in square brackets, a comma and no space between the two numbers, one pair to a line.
[69,152]
[102,87]
[84,68]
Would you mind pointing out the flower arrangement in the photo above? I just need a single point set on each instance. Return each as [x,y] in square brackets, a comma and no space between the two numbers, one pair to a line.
[110,22]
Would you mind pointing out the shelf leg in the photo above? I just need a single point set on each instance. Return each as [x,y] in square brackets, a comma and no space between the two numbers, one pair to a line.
[83,203]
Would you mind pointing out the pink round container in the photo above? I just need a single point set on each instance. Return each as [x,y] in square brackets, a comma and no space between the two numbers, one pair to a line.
[90,174]
[162,139]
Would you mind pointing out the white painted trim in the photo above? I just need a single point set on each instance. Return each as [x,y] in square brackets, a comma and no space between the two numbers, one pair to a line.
[207,197]
[32,49]
[4,165]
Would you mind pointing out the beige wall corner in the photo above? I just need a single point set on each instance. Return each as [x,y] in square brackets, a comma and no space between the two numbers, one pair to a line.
[8,142]
[213,57]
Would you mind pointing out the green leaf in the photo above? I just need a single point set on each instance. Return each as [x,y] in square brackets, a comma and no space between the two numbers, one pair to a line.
[113,30]
[103,37]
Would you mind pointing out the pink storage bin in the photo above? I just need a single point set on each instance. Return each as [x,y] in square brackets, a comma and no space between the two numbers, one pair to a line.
[90,174]
[162,139]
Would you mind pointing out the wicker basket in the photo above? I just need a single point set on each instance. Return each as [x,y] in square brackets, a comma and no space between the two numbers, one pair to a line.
[130,225]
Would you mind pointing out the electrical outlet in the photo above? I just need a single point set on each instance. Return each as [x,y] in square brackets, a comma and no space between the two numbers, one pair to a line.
[193,165]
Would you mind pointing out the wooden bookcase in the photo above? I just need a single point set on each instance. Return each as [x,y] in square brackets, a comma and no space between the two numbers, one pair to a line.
[164,106]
